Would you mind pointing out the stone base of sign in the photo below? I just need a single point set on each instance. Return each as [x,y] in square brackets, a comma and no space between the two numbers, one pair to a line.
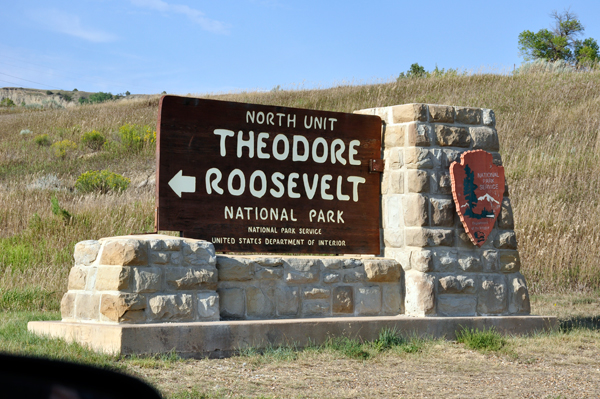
[223,338]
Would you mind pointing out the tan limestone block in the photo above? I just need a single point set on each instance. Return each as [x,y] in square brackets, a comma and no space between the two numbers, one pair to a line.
[86,252]
[394,158]
[87,306]
[268,273]
[492,295]
[408,113]
[67,305]
[446,260]
[147,279]
[232,303]
[441,113]
[174,307]
[124,252]
[417,181]
[510,261]
[208,306]
[77,278]
[287,300]
[381,112]
[421,260]
[393,136]
[456,285]
[159,258]
[457,305]
[491,261]
[417,134]
[506,240]
[442,212]
[484,138]
[393,237]
[489,117]
[332,278]
[444,183]
[470,262]
[301,270]
[418,158]
[316,293]
[343,300]
[260,301]
[424,237]
[467,115]
[112,278]
[191,278]
[316,308]
[416,210]
[505,219]
[382,270]
[198,253]
[354,276]
[393,182]
[420,294]
[234,269]
[367,301]
[123,307]
[452,136]
[518,302]
[391,296]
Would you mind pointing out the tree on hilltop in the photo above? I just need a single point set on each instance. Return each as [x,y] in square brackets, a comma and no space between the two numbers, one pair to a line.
[560,43]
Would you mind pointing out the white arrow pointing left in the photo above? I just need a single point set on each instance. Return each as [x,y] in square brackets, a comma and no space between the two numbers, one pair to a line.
[183,184]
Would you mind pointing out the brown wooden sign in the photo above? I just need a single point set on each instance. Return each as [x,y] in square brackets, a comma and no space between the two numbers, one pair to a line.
[268,179]
[477,188]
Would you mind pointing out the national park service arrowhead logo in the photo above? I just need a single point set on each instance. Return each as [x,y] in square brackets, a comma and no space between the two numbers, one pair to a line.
[477,188]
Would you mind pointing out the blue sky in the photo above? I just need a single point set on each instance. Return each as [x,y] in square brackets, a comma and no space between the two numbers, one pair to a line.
[198,47]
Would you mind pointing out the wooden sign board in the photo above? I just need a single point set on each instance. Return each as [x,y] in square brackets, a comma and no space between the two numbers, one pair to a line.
[477,188]
[268,179]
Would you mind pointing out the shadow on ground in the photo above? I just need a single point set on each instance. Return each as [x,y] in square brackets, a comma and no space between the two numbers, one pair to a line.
[590,323]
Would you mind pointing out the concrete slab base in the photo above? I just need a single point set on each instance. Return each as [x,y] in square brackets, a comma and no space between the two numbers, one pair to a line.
[223,338]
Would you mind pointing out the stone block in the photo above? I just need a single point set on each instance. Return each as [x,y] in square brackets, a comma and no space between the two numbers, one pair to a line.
[331,278]
[418,158]
[288,300]
[445,260]
[367,301]
[408,113]
[232,303]
[505,218]
[424,237]
[175,258]
[450,156]
[234,269]
[87,306]
[470,262]
[442,212]
[355,276]
[457,305]
[506,240]
[420,294]
[350,263]
[417,181]
[198,253]
[113,278]
[268,273]
[123,308]
[468,116]
[343,300]
[260,302]
[518,302]
[380,270]
[417,134]
[268,261]
[165,244]
[488,117]
[464,240]
[416,210]
[491,261]
[394,158]
[191,278]
[497,160]
[124,252]
[86,252]
[382,112]
[484,138]
[392,211]
[301,270]
[391,295]
[452,136]
[443,183]
[67,305]
[316,308]
[208,306]
[316,293]
[492,295]
[456,285]
[441,113]
[393,136]
[510,261]
[146,279]
[159,258]
[421,260]
[77,278]
[393,237]
[173,307]
[392,182]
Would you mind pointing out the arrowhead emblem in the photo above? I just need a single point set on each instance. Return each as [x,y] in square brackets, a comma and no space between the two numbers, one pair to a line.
[477,188]
[183,184]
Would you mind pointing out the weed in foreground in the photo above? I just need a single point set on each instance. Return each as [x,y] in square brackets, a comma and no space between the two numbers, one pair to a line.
[481,340]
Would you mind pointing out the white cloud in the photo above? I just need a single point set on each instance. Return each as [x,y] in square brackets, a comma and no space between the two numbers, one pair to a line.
[70,24]
[193,14]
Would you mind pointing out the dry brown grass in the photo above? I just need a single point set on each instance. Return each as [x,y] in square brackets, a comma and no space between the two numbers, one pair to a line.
[548,124]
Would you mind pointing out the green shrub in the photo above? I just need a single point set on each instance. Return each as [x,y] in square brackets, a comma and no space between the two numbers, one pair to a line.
[43,140]
[7,102]
[94,140]
[135,137]
[67,97]
[61,148]
[101,181]
[59,211]
[484,340]
[100,97]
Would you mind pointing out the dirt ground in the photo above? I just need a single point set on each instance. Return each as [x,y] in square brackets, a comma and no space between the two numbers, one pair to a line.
[555,365]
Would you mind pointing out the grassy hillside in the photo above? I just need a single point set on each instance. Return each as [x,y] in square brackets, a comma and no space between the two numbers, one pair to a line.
[548,124]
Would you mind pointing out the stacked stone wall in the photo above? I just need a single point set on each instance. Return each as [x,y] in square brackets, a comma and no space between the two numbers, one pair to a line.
[446,274]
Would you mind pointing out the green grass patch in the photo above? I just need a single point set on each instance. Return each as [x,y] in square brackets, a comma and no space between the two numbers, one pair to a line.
[29,299]
[481,340]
